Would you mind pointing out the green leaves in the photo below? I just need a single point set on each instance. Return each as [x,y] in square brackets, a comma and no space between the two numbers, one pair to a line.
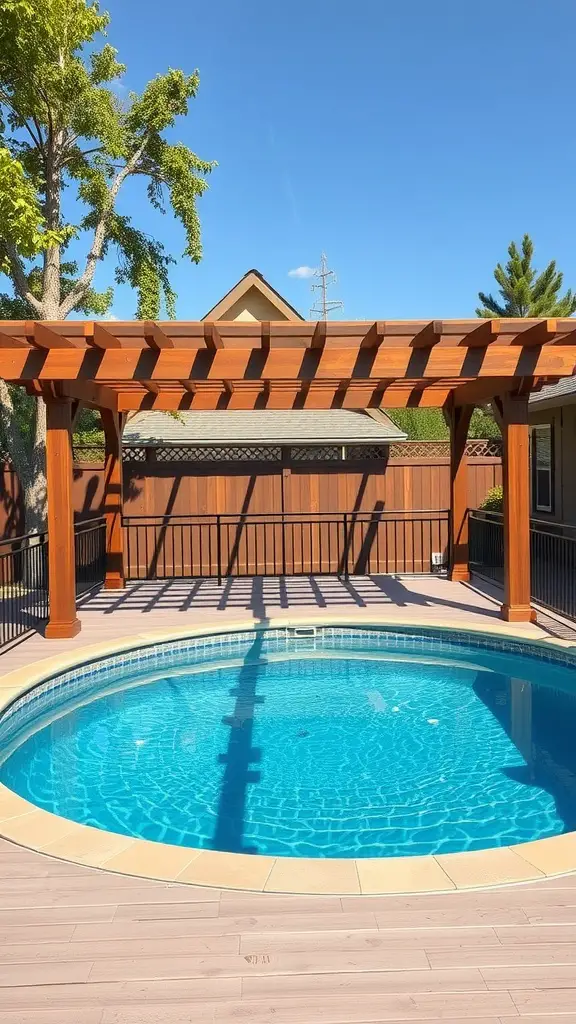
[524,292]
[68,127]
[21,222]
[163,100]
[143,263]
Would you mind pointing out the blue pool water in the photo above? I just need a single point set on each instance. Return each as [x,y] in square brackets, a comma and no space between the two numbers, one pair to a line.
[351,744]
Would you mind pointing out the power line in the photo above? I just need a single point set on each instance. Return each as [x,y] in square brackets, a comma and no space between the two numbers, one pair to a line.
[325,278]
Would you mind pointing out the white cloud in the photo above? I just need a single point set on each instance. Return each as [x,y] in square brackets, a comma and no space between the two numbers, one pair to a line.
[302,272]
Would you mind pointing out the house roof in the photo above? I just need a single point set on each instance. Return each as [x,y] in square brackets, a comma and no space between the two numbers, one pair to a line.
[261,427]
[555,393]
[252,279]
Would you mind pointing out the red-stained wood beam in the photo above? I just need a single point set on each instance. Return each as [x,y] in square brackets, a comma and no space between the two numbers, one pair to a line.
[155,337]
[485,334]
[265,335]
[540,334]
[300,334]
[212,338]
[430,335]
[483,389]
[319,336]
[43,337]
[440,361]
[96,396]
[374,335]
[7,340]
[100,337]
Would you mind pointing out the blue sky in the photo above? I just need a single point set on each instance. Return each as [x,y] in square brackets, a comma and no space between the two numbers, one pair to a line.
[411,141]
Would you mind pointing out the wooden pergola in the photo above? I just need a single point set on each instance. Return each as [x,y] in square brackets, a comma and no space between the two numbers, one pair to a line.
[118,367]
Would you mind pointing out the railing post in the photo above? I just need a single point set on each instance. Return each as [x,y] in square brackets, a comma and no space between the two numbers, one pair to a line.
[459,421]
[345,556]
[113,500]
[219,548]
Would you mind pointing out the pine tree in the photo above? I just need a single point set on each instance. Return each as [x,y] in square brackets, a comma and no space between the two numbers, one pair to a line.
[525,292]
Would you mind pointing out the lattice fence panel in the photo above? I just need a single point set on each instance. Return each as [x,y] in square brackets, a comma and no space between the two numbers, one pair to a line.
[133,454]
[487,449]
[316,453]
[218,453]
[366,451]
[420,450]
[425,450]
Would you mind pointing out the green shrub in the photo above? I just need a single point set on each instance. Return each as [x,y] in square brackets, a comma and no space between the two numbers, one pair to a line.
[494,500]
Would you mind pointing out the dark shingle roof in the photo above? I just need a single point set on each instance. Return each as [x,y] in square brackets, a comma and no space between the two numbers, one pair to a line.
[262,426]
[555,392]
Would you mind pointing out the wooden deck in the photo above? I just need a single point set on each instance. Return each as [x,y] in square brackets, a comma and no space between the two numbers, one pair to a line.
[86,946]
[82,946]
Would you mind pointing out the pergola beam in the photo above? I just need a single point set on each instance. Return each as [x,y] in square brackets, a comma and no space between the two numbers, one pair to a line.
[95,396]
[132,364]
[204,335]
[122,366]
[102,338]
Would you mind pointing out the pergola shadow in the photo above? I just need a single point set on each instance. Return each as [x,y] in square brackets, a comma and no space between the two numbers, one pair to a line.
[261,595]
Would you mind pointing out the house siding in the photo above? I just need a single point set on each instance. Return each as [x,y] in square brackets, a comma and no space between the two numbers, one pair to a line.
[563,422]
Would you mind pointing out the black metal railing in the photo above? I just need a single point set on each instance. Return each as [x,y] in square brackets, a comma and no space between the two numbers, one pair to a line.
[90,552]
[23,585]
[552,558]
[24,600]
[486,539]
[218,546]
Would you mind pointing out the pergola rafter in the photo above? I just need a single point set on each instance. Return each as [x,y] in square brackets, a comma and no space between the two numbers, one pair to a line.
[119,367]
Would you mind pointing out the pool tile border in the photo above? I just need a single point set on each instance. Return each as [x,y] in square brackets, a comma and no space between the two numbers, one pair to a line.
[39,830]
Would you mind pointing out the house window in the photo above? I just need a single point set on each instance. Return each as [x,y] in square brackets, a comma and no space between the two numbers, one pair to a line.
[543,468]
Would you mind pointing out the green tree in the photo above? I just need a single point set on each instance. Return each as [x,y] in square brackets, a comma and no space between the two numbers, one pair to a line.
[430,425]
[524,291]
[483,424]
[420,424]
[65,135]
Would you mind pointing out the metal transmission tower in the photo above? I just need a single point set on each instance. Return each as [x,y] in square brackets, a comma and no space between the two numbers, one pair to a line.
[324,306]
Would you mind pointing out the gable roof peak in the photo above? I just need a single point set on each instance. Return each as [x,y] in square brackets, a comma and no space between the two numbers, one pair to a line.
[253,279]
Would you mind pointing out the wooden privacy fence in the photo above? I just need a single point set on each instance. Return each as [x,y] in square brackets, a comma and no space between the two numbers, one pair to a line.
[414,475]
[160,547]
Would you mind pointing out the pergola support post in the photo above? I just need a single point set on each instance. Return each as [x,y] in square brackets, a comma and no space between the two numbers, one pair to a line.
[516,487]
[459,421]
[112,424]
[63,621]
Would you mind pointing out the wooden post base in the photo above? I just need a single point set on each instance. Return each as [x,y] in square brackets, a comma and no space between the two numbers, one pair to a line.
[62,630]
[517,613]
[114,583]
[459,574]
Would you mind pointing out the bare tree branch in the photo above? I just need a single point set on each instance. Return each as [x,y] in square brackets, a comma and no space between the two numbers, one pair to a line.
[19,277]
[83,283]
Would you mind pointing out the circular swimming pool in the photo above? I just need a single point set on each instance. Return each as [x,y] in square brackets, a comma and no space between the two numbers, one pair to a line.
[326,742]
